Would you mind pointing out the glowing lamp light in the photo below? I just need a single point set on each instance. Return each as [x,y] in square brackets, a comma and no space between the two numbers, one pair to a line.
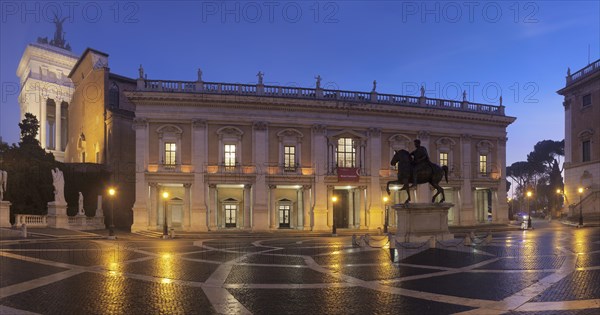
[334,198]
[165,195]
[112,191]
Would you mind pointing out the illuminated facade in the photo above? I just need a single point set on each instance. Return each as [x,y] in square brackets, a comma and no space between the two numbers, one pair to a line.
[582,138]
[258,157]
[46,92]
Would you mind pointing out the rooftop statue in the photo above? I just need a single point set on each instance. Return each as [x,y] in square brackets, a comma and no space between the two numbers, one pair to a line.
[59,34]
[260,75]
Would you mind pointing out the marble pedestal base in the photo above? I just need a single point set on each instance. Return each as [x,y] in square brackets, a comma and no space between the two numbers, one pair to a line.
[421,222]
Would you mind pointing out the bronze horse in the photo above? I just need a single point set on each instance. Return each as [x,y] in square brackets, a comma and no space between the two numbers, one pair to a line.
[432,175]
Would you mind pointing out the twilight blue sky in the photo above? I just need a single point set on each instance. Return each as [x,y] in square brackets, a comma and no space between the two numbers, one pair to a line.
[520,48]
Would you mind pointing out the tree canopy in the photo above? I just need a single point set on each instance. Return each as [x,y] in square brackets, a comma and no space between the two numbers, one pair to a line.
[541,174]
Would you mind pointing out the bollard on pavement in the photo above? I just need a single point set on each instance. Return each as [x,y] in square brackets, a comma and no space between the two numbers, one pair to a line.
[392,241]
[23,230]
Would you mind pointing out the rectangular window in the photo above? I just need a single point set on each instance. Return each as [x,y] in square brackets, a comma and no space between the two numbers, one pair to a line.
[230,155]
[586,151]
[443,158]
[289,158]
[483,164]
[170,153]
[586,100]
[346,153]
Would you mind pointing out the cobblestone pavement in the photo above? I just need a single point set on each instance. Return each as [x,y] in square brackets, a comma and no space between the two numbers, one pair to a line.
[544,271]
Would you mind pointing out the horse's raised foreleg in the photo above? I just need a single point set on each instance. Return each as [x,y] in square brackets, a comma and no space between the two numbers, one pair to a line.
[405,187]
[439,190]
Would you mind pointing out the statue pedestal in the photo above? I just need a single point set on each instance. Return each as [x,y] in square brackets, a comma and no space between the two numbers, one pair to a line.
[5,214]
[419,222]
[57,215]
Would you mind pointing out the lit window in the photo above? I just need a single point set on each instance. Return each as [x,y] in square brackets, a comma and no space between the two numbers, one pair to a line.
[346,153]
[483,164]
[170,153]
[289,158]
[230,155]
[444,158]
[586,151]
[586,100]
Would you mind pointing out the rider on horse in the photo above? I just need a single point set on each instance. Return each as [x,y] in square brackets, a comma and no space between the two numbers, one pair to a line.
[420,160]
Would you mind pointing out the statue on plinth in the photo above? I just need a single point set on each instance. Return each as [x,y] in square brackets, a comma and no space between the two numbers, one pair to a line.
[80,207]
[3,181]
[59,186]
[141,71]
[374,85]
[318,77]
[199,75]
[416,167]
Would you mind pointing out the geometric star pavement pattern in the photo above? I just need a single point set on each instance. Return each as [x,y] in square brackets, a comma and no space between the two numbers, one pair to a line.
[545,271]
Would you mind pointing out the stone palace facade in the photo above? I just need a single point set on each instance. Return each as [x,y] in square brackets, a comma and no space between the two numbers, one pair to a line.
[260,157]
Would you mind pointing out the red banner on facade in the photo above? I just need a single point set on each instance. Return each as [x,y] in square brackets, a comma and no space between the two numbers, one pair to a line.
[347,174]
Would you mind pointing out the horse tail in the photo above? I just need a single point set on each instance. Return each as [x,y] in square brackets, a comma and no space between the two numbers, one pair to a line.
[445,168]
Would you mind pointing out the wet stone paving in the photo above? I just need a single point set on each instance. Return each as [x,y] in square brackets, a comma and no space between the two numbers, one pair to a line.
[544,271]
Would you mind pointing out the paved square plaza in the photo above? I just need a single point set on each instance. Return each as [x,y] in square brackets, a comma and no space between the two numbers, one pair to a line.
[553,270]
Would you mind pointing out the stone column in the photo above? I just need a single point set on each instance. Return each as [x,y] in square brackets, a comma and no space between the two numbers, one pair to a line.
[212,204]
[306,202]
[375,213]
[43,120]
[198,217]
[362,208]
[153,220]
[501,208]
[186,207]
[351,207]
[467,212]
[299,210]
[140,209]
[319,158]
[260,152]
[247,206]
[57,126]
[272,208]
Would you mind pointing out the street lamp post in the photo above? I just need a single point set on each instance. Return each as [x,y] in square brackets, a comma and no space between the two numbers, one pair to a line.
[386,221]
[111,227]
[165,196]
[529,226]
[558,203]
[333,228]
[580,190]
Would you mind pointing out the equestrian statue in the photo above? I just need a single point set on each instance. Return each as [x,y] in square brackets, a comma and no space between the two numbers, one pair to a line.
[416,168]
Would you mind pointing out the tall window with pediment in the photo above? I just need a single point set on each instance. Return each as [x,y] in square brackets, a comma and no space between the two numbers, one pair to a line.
[290,143]
[230,147]
[484,149]
[170,146]
[346,152]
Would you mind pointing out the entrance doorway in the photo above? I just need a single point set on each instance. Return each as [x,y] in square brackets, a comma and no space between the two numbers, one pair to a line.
[284,216]
[341,208]
[230,215]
